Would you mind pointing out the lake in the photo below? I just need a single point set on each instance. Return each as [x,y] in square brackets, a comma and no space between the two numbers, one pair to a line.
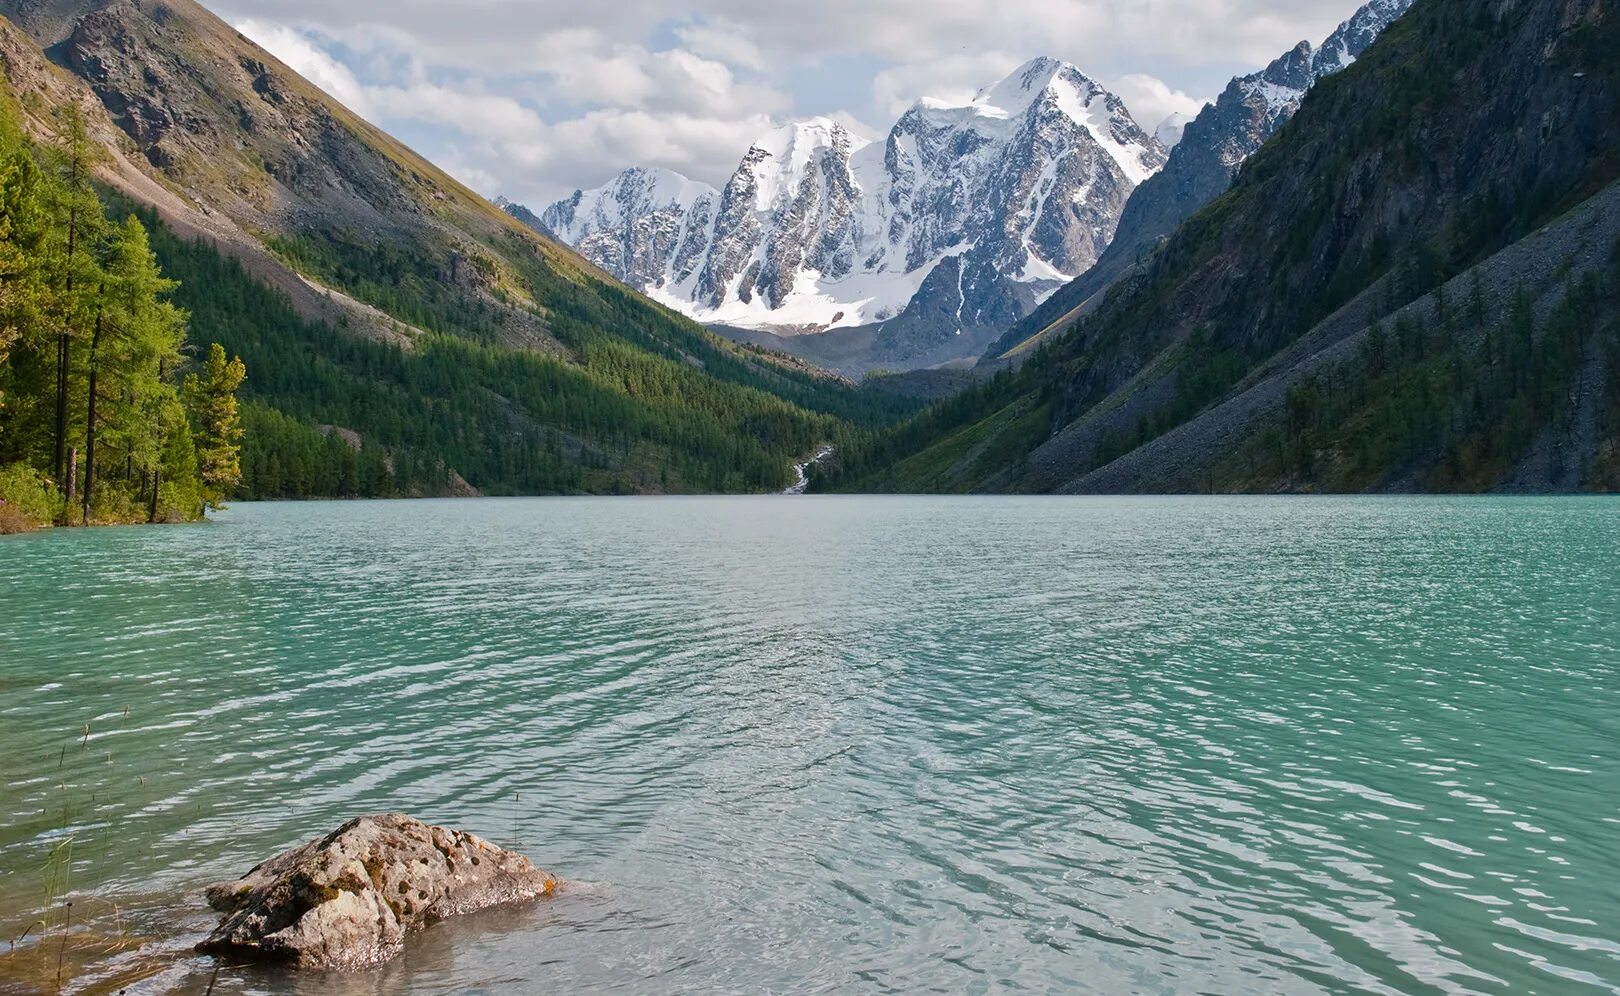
[844,744]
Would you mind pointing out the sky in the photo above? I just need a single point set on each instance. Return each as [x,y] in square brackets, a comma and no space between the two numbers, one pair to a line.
[532,99]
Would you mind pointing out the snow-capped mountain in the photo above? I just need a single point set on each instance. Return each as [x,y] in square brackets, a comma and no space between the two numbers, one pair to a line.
[1213,146]
[951,228]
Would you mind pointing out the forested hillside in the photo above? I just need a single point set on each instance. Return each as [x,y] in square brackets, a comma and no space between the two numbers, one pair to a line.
[402,336]
[1413,286]
[332,413]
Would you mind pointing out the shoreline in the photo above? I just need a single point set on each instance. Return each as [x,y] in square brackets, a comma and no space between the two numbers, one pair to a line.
[23,526]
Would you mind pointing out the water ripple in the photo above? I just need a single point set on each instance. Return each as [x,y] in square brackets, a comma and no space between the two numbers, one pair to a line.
[1245,746]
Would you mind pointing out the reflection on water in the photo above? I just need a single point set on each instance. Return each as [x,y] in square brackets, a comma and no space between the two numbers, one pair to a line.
[1160,745]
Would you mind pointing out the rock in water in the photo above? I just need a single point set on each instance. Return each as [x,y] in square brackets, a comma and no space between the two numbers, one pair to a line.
[348,899]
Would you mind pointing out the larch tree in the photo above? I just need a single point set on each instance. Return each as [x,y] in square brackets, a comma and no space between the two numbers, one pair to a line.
[81,225]
[27,299]
[217,424]
[91,351]
[135,350]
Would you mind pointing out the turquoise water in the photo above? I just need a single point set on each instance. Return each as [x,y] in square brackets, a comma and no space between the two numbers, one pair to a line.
[849,744]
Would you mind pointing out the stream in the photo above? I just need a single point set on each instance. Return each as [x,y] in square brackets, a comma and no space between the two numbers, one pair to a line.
[802,471]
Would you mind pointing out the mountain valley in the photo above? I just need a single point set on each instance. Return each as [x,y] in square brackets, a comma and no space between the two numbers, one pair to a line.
[403,336]
[960,231]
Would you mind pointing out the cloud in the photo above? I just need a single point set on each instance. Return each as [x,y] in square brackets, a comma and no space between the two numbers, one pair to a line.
[954,77]
[1152,100]
[723,41]
[586,68]
[467,109]
[601,143]
[534,97]
[309,61]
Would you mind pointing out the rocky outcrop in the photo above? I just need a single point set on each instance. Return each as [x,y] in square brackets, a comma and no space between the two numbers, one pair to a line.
[348,899]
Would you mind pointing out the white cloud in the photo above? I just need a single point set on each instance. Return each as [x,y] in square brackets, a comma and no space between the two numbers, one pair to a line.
[585,68]
[1152,100]
[724,41]
[953,77]
[534,97]
[308,61]
[468,110]
[601,143]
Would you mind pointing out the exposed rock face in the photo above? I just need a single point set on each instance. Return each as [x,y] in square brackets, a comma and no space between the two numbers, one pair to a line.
[233,146]
[638,227]
[1212,147]
[347,899]
[956,224]
[238,125]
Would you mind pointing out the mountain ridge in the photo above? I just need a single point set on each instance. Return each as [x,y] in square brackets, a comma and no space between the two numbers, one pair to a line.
[1214,146]
[955,224]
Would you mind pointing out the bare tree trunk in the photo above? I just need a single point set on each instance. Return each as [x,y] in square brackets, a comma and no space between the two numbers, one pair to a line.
[71,481]
[152,509]
[64,348]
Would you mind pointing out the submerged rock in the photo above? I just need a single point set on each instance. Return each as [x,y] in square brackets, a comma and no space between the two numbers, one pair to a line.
[348,899]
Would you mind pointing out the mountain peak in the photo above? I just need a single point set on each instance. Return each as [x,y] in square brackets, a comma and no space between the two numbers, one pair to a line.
[1028,83]
[1030,78]
[798,139]
[662,182]
[1063,86]
[652,185]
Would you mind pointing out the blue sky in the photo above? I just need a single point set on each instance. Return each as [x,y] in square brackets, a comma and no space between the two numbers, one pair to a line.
[533,99]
